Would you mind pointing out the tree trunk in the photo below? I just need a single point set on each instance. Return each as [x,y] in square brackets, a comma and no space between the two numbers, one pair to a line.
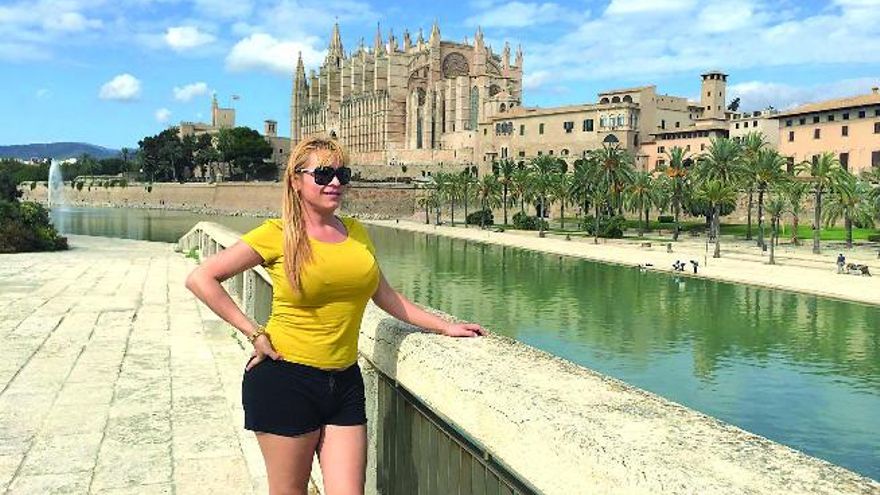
[427,217]
[562,214]
[465,200]
[452,212]
[716,221]
[677,208]
[647,221]
[505,204]
[773,242]
[794,232]
[848,225]
[596,226]
[817,222]
[761,243]
[749,221]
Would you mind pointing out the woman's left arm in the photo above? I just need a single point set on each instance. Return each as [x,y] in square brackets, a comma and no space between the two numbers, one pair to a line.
[395,304]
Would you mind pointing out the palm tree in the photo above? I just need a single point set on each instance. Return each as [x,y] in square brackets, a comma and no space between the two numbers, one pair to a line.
[521,187]
[776,206]
[851,199]
[505,170]
[465,182]
[795,191]
[582,182]
[447,189]
[599,200]
[640,197]
[677,170]
[488,192]
[824,173]
[716,193]
[752,143]
[429,200]
[766,169]
[721,162]
[614,171]
[544,170]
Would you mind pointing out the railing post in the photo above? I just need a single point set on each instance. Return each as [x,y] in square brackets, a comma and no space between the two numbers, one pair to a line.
[248,293]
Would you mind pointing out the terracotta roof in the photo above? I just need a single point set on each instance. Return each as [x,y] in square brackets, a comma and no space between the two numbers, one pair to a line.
[838,104]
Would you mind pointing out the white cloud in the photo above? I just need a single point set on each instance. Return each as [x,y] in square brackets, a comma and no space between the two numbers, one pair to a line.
[42,94]
[70,22]
[648,6]
[163,115]
[225,9]
[123,87]
[522,14]
[263,52]
[190,91]
[756,95]
[182,38]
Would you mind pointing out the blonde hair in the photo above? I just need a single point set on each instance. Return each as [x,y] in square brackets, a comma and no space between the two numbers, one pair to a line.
[297,250]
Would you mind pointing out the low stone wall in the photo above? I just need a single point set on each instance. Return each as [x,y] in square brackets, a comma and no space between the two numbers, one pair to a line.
[563,428]
[261,198]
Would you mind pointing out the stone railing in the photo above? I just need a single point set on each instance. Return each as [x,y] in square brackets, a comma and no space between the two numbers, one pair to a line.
[554,427]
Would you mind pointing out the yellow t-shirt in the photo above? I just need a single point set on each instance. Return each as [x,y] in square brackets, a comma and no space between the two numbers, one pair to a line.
[319,326]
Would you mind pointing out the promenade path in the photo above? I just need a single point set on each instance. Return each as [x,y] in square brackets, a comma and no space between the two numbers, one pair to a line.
[114,379]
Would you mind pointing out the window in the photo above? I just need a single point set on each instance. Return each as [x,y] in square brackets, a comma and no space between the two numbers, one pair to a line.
[817,133]
[789,164]
[844,160]
[745,125]
[568,126]
[708,93]
[687,148]
[788,123]
[540,152]
[621,120]
[790,136]
[588,125]
[677,125]
[661,162]
[831,118]
[663,124]
[845,116]
[550,152]
[861,114]
[522,154]
[484,131]
[661,149]
[815,119]
[877,112]
[540,128]
[844,131]
[802,121]
[737,125]
[876,127]
[875,159]
[702,147]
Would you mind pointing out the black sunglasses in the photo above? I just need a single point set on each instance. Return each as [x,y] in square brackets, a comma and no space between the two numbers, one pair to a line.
[324,175]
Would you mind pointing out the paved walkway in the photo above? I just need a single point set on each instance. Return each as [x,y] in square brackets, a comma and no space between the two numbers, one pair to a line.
[114,379]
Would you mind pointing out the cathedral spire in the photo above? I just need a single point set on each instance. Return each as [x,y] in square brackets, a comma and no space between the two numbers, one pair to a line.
[392,41]
[505,56]
[300,68]
[519,56]
[378,44]
[421,38]
[407,42]
[435,34]
[335,47]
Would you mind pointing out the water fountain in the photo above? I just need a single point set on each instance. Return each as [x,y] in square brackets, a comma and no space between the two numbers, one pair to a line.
[56,195]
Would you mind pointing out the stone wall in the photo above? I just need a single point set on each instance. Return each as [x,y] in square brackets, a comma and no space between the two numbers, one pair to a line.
[231,197]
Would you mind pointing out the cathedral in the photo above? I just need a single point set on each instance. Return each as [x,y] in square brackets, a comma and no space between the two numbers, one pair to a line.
[416,104]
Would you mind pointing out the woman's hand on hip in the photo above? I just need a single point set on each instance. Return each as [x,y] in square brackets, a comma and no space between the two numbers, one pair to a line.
[463,330]
[262,350]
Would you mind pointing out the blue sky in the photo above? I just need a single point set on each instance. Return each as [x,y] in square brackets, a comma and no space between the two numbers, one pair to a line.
[109,72]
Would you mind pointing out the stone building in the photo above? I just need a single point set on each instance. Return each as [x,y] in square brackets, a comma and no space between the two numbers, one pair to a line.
[418,104]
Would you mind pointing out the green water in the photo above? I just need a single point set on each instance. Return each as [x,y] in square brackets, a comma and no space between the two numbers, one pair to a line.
[801,370]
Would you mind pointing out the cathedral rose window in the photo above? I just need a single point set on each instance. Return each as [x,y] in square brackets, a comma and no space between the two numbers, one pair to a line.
[455,65]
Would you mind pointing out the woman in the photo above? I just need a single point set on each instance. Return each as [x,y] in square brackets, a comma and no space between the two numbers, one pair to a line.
[302,389]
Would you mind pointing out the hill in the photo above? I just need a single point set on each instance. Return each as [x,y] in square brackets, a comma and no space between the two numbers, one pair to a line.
[60,151]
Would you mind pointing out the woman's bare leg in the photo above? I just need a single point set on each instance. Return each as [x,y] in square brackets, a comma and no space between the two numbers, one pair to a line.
[342,453]
[288,461]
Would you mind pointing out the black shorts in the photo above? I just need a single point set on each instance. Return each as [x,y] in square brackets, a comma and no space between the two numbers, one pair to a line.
[291,399]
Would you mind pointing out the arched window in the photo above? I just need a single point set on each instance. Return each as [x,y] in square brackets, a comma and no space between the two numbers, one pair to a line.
[603,101]
[475,107]
[615,99]
[627,99]
[611,138]
[620,120]
[564,152]
[502,108]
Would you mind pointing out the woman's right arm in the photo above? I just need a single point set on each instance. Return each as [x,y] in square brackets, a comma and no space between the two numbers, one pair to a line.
[205,281]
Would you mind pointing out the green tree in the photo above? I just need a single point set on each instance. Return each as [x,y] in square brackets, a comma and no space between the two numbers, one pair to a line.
[614,170]
[776,206]
[751,143]
[640,197]
[766,169]
[850,199]
[544,170]
[722,162]
[488,192]
[521,187]
[8,187]
[447,190]
[505,169]
[716,194]
[824,173]
[677,171]
[465,183]
[795,192]
[247,151]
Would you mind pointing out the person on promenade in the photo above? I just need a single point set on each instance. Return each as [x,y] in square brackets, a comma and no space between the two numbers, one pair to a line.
[302,390]
[841,262]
